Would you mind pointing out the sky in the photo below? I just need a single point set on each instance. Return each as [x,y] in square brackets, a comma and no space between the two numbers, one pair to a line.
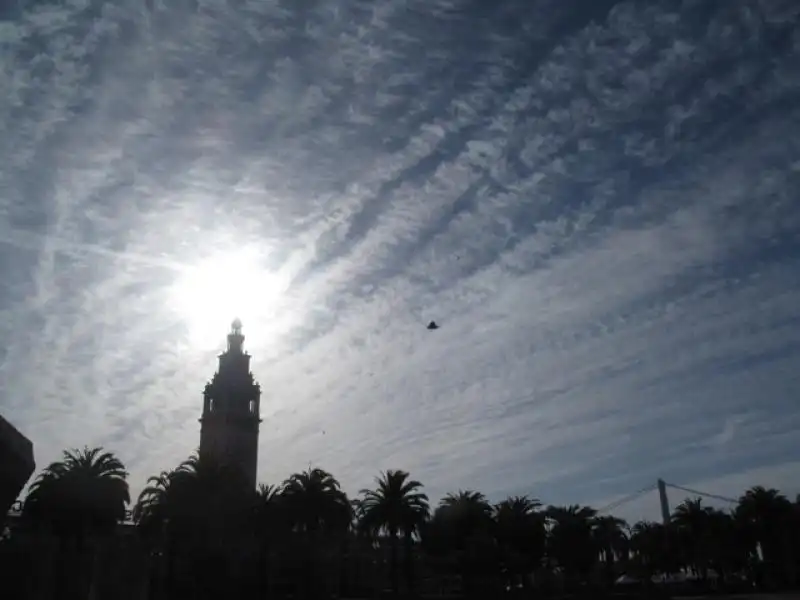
[597,202]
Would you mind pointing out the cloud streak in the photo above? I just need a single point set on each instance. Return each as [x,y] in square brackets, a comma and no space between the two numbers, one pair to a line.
[596,204]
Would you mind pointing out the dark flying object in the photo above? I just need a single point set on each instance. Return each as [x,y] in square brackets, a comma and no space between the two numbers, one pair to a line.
[432,325]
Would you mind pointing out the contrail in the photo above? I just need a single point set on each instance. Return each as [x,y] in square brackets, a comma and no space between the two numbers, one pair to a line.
[35,242]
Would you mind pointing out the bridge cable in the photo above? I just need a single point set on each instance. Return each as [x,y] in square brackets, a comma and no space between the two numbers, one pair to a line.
[703,494]
[626,499]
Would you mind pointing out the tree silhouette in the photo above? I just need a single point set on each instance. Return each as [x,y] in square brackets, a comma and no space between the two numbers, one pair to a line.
[571,543]
[320,513]
[693,521]
[521,537]
[461,534]
[610,538]
[271,529]
[86,491]
[200,511]
[395,506]
[207,534]
[764,514]
[79,497]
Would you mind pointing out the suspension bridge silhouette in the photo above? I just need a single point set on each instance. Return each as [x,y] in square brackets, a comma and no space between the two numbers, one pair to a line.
[661,486]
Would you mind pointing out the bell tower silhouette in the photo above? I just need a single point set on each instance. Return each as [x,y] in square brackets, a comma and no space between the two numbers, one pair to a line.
[231,408]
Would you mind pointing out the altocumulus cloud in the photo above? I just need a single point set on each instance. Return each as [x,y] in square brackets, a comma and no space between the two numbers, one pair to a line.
[596,200]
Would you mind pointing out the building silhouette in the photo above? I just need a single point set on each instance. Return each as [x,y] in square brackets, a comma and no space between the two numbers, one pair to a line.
[16,465]
[231,408]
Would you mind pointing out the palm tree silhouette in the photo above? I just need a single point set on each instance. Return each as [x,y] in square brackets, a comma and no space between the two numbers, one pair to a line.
[653,550]
[726,544]
[692,521]
[764,513]
[319,512]
[611,540]
[521,536]
[85,491]
[315,502]
[200,510]
[461,531]
[203,520]
[270,528]
[395,506]
[78,498]
[152,507]
[162,515]
[571,543]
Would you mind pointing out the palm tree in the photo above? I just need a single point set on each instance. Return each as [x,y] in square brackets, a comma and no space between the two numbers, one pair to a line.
[80,496]
[794,525]
[468,506]
[692,521]
[571,543]
[199,511]
[395,506]
[461,533]
[200,491]
[319,511]
[163,516]
[270,528]
[610,538]
[151,510]
[653,549]
[644,543]
[86,491]
[765,515]
[315,502]
[358,524]
[727,547]
[521,536]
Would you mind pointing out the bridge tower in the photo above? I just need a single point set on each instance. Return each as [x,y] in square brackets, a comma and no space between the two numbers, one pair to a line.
[662,496]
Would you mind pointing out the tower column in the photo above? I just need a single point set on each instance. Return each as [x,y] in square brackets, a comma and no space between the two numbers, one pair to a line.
[231,401]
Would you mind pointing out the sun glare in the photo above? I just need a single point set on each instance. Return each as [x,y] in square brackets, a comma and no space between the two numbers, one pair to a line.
[211,293]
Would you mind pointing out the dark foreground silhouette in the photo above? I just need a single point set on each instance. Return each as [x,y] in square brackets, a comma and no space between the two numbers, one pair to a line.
[199,532]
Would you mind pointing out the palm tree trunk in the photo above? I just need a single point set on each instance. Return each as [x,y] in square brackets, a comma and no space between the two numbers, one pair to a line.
[146,576]
[71,577]
[81,588]
[94,571]
[166,569]
[393,562]
[61,581]
[61,590]
[263,568]
[310,547]
[609,562]
[409,563]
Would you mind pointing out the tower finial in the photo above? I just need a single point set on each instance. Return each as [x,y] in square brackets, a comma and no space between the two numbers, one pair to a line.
[235,337]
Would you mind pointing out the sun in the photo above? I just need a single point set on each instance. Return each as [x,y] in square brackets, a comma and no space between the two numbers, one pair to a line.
[208,295]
